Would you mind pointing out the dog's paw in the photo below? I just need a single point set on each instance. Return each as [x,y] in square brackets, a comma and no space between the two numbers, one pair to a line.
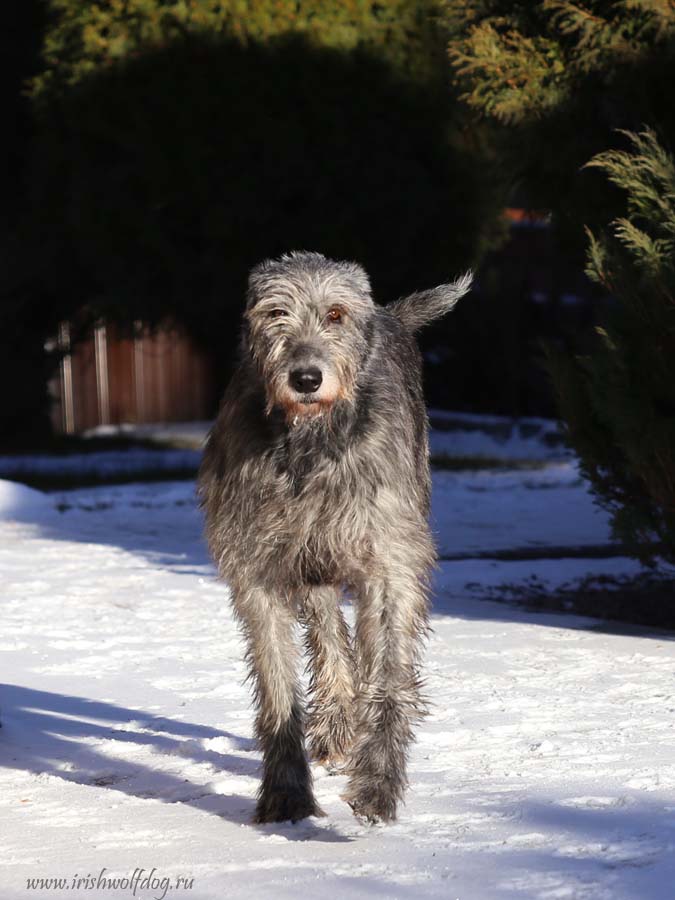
[329,738]
[284,806]
[334,765]
[375,802]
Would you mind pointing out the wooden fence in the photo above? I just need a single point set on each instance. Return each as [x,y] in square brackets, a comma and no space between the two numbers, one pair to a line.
[110,380]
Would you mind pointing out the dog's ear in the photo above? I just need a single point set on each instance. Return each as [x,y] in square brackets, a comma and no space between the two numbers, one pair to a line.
[417,309]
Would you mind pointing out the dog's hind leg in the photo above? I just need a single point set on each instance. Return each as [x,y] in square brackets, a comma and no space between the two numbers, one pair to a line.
[333,676]
[269,625]
[391,622]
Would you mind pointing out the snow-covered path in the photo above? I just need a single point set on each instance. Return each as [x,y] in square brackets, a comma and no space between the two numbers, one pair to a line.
[546,770]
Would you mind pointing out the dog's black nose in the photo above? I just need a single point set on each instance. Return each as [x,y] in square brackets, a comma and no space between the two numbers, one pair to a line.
[306,381]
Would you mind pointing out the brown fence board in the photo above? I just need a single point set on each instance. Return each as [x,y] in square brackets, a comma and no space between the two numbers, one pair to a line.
[155,377]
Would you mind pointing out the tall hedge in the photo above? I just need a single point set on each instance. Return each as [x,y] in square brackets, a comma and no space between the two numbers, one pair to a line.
[619,400]
[177,143]
[84,37]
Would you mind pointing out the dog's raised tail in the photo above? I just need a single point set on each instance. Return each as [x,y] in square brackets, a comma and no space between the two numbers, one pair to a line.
[417,309]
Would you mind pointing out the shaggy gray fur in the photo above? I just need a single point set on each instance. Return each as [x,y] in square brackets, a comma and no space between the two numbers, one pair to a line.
[316,478]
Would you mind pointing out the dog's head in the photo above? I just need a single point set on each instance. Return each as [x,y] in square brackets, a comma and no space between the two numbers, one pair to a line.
[305,328]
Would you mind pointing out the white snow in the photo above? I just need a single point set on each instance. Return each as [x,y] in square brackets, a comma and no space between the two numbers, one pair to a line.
[474,512]
[456,434]
[18,502]
[186,434]
[102,463]
[453,434]
[545,770]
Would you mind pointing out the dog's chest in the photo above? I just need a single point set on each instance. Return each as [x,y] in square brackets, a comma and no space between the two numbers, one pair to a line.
[327,499]
[328,507]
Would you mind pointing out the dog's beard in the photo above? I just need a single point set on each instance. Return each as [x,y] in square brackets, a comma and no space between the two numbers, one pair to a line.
[298,407]
[306,409]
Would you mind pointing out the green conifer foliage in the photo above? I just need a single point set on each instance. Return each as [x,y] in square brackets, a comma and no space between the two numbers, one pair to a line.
[619,401]
[557,78]
[86,36]
[519,60]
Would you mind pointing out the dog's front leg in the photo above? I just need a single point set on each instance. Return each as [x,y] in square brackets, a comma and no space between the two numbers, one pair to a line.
[330,722]
[391,620]
[269,626]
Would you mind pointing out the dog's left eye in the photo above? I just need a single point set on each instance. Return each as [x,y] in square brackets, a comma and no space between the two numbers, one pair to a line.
[277,313]
[334,315]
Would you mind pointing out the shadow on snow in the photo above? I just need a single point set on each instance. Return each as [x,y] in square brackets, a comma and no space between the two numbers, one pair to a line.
[45,733]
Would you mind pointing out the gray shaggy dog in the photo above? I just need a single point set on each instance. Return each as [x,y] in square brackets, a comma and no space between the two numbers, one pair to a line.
[315,479]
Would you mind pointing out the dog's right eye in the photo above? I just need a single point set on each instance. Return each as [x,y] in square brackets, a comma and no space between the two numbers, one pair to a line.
[277,313]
